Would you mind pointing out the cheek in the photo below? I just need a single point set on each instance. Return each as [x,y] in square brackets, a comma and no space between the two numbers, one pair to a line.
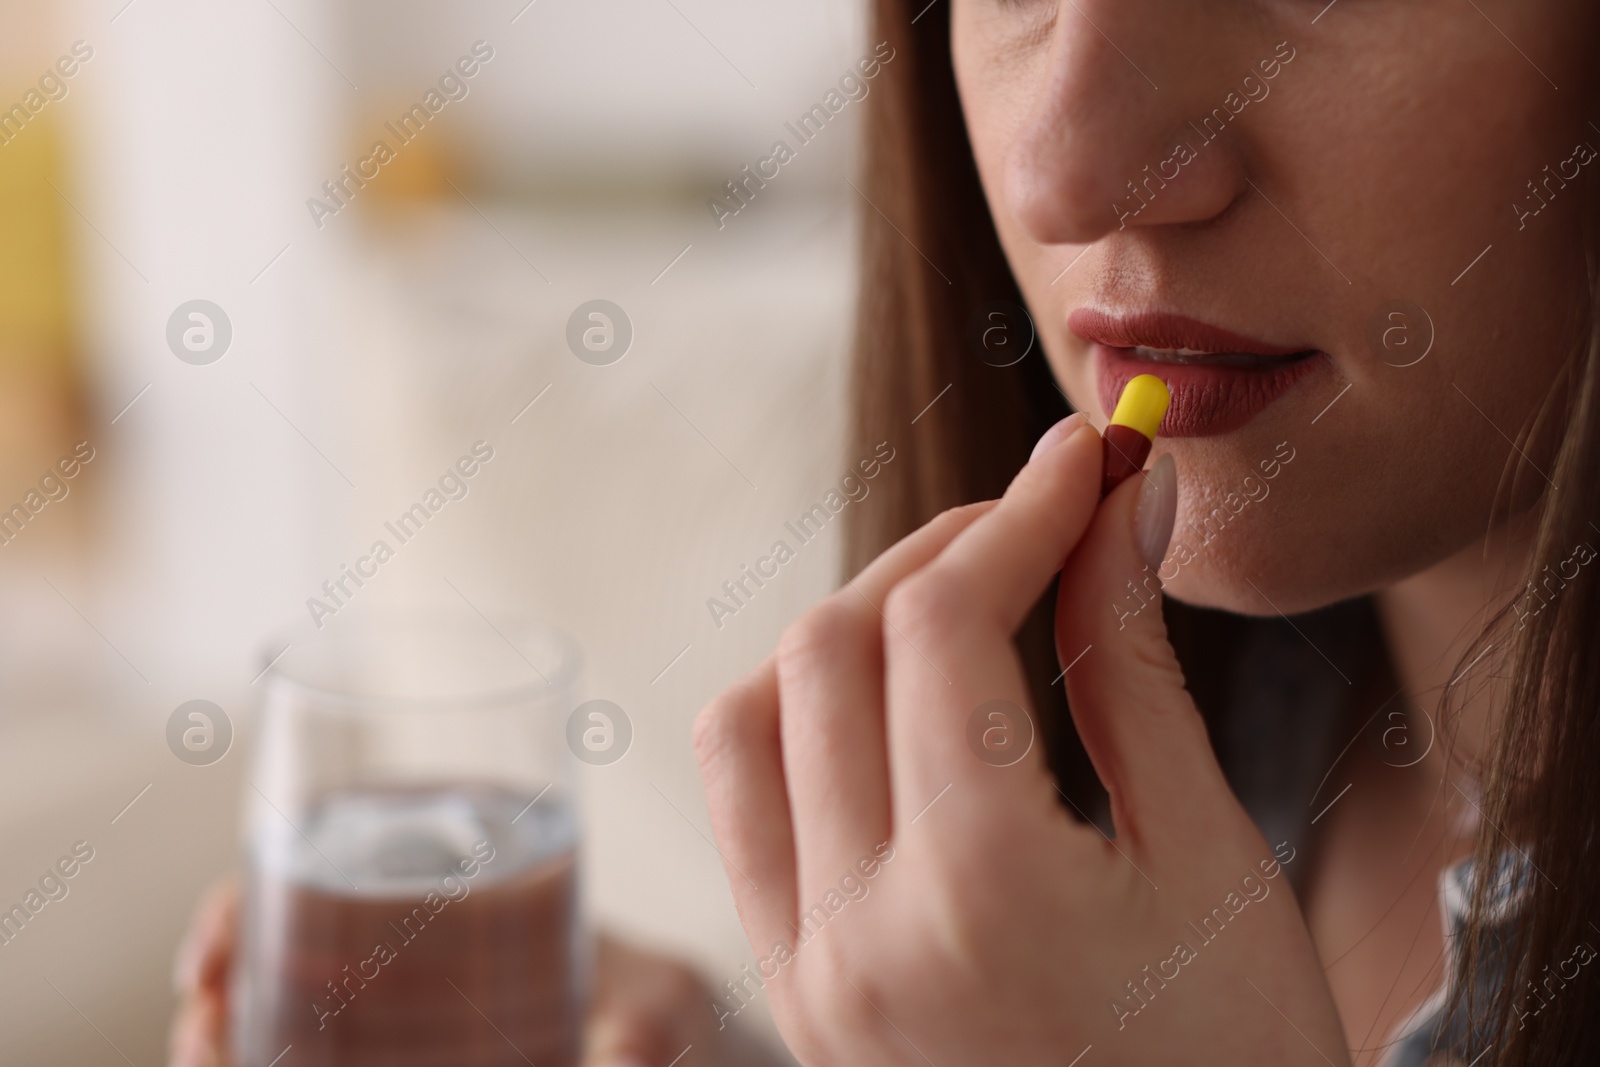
[1405,469]
[984,99]
[999,76]
[1389,481]
[1067,355]
[1409,465]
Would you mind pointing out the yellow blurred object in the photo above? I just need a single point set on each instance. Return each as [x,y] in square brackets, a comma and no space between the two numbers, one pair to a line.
[40,402]
[35,303]
[418,172]
[418,168]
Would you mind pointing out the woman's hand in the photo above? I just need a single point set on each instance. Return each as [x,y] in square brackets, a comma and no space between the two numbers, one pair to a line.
[648,1009]
[911,902]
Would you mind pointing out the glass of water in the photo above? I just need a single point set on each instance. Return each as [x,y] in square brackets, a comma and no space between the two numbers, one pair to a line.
[412,850]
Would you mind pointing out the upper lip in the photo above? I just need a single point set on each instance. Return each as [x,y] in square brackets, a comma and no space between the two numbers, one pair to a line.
[1168,331]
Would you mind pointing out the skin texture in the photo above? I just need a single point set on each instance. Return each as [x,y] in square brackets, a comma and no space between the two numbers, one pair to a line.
[1380,188]
[1002,931]
[1395,143]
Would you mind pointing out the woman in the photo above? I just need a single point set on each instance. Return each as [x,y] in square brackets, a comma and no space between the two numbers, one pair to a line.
[1333,639]
[1354,239]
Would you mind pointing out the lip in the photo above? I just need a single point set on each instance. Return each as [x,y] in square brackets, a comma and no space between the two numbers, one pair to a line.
[1209,397]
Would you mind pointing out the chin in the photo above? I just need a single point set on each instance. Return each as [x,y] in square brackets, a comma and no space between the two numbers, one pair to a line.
[1223,591]
[1250,569]
[1218,594]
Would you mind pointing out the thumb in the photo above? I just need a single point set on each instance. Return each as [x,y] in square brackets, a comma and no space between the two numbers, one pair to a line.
[1137,721]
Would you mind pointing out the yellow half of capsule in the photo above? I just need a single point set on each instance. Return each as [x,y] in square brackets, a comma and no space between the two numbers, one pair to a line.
[1142,405]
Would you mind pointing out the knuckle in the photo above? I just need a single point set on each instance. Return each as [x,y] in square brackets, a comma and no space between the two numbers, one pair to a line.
[959,515]
[840,993]
[929,603]
[820,636]
[724,728]
[1155,660]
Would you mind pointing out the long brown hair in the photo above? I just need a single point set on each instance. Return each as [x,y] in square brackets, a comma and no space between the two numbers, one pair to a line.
[931,261]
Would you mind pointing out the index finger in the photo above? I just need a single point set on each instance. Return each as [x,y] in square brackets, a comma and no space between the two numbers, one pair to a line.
[1003,562]
[948,644]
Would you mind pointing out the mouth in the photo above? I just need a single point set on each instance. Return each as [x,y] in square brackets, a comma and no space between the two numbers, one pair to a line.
[1219,380]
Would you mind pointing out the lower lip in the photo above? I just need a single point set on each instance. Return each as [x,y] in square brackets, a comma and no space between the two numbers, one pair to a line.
[1207,400]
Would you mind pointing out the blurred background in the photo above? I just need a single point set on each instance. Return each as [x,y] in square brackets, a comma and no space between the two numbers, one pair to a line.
[354,354]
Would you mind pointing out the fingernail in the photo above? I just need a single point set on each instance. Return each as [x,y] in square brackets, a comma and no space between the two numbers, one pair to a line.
[1058,433]
[1156,511]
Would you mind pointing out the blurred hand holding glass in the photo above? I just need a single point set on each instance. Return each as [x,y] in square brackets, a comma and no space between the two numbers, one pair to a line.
[412,887]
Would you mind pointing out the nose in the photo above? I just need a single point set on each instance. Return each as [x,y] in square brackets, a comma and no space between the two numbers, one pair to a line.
[1105,147]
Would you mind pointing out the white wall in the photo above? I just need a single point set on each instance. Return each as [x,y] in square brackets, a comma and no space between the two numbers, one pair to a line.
[609,92]
[590,146]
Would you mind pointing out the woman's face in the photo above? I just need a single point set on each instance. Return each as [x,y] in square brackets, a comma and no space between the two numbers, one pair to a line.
[1346,236]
